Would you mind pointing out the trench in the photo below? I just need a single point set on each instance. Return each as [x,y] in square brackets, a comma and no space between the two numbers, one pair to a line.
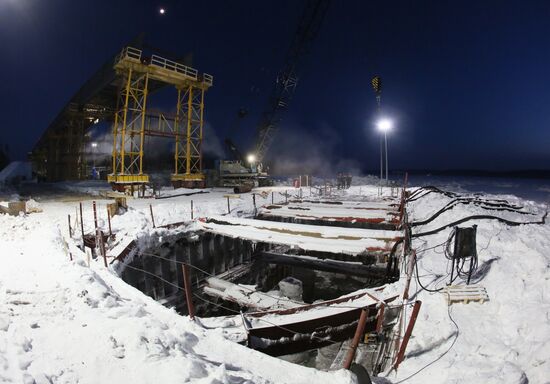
[235,260]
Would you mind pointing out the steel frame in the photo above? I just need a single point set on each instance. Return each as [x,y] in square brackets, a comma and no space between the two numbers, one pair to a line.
[133,123]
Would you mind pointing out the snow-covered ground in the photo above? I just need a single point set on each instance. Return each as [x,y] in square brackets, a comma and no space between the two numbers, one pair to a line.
[504,340]
[67,322]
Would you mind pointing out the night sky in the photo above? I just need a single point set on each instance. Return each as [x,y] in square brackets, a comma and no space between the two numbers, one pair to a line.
[467,83]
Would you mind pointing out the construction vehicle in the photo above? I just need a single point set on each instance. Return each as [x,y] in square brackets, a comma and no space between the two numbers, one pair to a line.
[241,172]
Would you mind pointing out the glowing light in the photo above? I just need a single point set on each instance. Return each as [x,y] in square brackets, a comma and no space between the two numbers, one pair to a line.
[384,125]
[251,158]
[94,145]
[162,11]
[96,121]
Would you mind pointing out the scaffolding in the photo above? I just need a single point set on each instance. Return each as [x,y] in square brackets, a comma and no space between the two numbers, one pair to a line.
[133,122]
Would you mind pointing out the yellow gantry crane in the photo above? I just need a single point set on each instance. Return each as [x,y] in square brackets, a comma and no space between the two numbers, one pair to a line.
[133,121]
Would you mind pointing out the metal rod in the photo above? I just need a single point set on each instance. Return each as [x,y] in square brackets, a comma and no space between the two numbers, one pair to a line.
[380,321]
[412,261]
[70,228]
[286,197]
[82,227]
[271,197]
[191,209]
[254,202]
[356,339]
[228,206]
[188,293]
[99,240]
[408,333]
[152,217]
[109,221]
[95,214]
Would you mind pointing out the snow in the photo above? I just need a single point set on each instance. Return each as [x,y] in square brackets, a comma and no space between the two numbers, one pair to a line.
[331,212]
[504,340]
[350,241]
[67,322]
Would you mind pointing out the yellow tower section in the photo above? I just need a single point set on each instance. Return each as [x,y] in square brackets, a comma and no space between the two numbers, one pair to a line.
[189,125]
[131,119]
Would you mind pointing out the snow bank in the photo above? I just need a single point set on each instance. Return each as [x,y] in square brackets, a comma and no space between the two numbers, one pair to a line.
[504,340]
[65,322]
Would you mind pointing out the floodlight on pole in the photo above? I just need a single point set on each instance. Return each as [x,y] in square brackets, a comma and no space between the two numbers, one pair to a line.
[251,158]
[385,125]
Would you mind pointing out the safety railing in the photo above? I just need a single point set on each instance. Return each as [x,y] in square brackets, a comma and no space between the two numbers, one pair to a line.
[170,65]
[208,79]
[130,53]
[161,62]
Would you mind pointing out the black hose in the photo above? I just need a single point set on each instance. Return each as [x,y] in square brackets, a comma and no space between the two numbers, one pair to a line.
[479,217]
[479,203]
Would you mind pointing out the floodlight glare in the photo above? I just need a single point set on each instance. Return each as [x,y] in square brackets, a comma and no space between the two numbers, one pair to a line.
[384,125]
[251,158]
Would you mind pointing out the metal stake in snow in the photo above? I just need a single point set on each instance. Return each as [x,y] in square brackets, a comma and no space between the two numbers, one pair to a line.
[95,215]
[70,229]
[191,209]
[101,244]
[408,332]
[228,206]
[412,261]
[82,227]
[254,202]
[152,217]
[109,220]
[271,197]
[356,339]
[188,293]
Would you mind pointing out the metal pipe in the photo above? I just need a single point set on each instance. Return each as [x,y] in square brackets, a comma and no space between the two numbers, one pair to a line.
[188,293]
[356,339]
[152,217]
[82,227]
[109,221]
[191,209]
[70,229]
[95,215]
[408,332]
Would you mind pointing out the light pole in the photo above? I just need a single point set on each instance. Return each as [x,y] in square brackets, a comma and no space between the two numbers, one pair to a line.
[384,125]
[376,83]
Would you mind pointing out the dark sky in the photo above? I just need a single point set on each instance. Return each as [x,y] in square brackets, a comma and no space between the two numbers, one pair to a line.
[466,82]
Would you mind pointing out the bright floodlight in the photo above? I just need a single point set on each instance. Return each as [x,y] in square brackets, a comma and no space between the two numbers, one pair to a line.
[161,11]
[384,125]
[251,158]
[94,145]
